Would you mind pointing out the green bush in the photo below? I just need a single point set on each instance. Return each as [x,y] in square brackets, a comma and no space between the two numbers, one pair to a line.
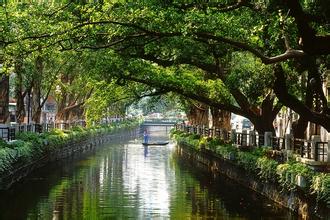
[35,141]
[288,172]
[3,144]
[24,151]
[284,176]
[321,187]
[247,160]
[213,143]
[227,151]
[202,142]
[54,141]
[7,158]
[267,169]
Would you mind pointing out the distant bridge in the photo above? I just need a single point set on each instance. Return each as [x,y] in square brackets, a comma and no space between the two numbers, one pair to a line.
[160,122]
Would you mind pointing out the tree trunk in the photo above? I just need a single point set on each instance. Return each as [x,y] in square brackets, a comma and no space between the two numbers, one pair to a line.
[60,107]
[261,125]
[221,119]
[198,115]
[76,113]
[19,94]
[63,101]
[299,128]
[36,91]
[263,122]
[4,99]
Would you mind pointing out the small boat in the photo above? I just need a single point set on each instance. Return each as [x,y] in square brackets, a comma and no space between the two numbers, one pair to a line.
[156,143]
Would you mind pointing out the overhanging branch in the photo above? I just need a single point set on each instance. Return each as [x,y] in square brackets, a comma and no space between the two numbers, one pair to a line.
[203,99]
[292,102]
[290,53]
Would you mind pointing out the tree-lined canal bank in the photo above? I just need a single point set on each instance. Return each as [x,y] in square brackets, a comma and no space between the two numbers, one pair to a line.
[29,150]
[124,180]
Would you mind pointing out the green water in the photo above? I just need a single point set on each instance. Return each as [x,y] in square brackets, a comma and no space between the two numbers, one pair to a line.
[124,180]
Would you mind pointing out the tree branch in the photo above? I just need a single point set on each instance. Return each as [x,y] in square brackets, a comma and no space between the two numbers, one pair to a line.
[181,91]
[114,42]
[311,43]
[292,102]
[290,53]
[220,7]
[60,9]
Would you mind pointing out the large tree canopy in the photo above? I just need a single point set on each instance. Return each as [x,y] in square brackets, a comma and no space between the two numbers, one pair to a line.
[211,51]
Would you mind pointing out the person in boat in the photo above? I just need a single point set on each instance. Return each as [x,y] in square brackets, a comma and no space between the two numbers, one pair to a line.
[145,136]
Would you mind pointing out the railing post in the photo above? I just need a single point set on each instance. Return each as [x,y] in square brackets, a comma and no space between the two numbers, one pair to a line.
[12,133]
[8,135]
[328,150]
[268,139]
[314,150]
[287,142]
[244,138]
[302,149]
[223,134]
[288,145]
[3,130]
[210,132]
[233,136]
[252,138]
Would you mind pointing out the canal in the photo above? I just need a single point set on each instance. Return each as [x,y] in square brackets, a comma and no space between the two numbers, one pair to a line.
[124,180]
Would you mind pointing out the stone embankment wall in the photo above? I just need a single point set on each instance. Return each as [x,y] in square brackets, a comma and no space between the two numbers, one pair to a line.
[296,201]
[72,148]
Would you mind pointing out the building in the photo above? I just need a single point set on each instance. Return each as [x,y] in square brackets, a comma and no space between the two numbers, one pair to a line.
[48,112]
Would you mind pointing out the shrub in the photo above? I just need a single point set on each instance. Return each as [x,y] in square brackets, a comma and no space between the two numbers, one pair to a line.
[195,136]
[24,150]
[35,139]
[226,150]
[202,142]
[3,144]
[321,187]
[267,169]
[247,160]
[284,176]
[288,172]
[212,143]
[7,157]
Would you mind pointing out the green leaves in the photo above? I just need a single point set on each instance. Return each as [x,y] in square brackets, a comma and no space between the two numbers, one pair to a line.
[250,76]
[321,187]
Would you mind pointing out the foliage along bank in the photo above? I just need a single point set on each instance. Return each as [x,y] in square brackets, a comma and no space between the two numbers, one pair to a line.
[30,147]
[291,176]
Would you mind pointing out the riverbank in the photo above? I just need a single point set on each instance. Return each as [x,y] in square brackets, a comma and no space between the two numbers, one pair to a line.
[31,151]
[255,169]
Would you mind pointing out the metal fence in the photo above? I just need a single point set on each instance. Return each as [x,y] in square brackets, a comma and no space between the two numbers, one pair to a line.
[8,133]
[314,150]
[317,150]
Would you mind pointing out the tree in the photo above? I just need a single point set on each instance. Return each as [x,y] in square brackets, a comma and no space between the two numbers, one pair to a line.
[265,29]
[4,98]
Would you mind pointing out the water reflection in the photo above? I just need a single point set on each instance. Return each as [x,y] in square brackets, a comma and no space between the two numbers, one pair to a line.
[127,180]
[145,151]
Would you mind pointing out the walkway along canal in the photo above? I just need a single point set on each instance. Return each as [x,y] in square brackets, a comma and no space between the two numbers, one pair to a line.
[124,179]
